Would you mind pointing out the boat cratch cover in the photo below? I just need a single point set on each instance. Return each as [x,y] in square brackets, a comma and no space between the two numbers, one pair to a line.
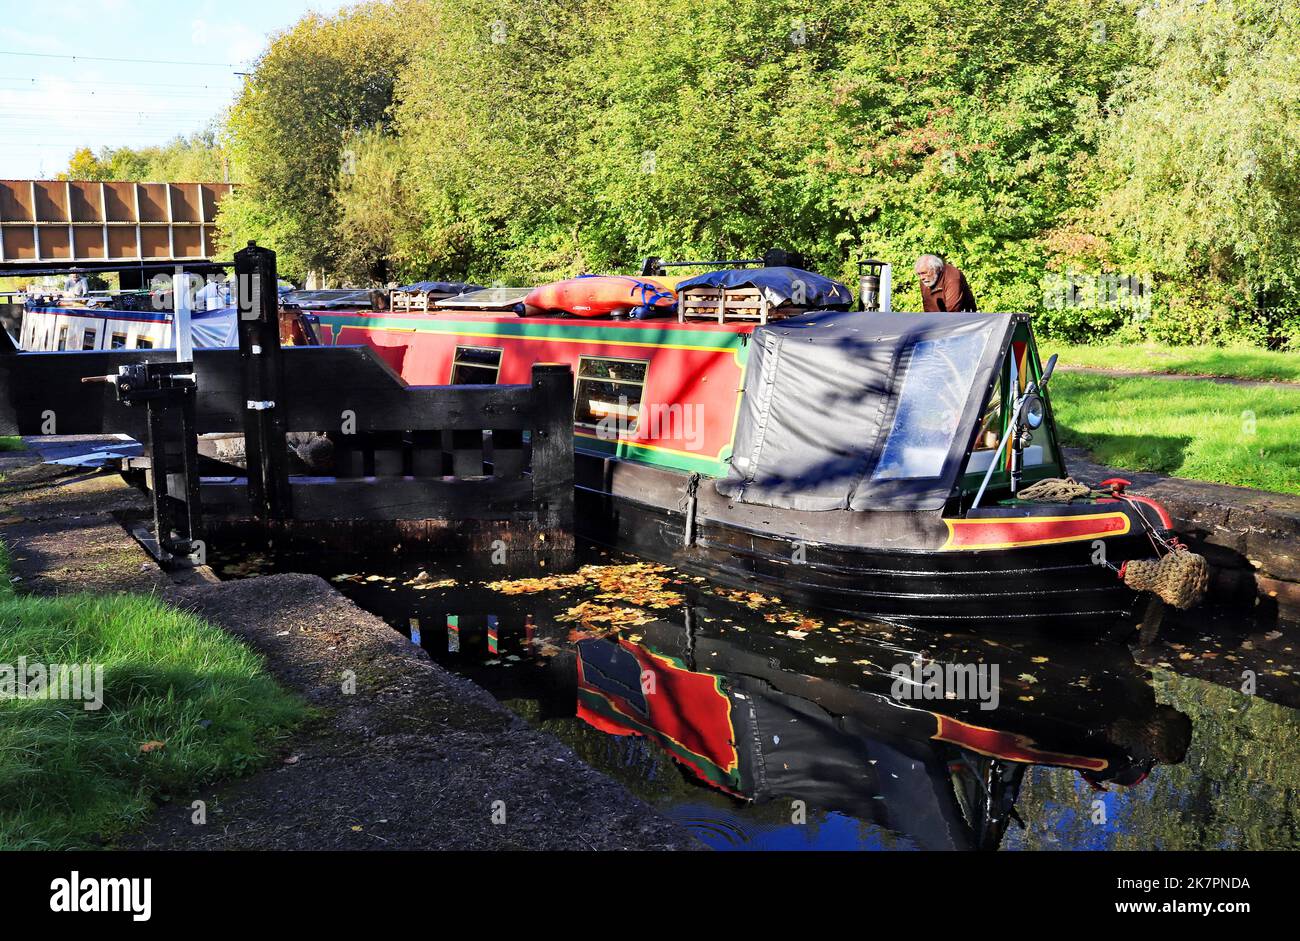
[862,410]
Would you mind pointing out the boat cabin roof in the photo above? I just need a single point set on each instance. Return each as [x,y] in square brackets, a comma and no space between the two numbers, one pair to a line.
[868,411]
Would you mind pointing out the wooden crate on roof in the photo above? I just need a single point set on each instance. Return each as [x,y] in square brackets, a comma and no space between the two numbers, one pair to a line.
[723,304]
[412,301]
[407,301]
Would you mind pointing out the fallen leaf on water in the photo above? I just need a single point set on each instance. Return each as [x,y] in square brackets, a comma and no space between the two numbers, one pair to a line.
[529,586]
[430,583]
[591,613]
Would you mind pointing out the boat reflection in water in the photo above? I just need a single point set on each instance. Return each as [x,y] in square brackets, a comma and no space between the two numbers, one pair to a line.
[821,721]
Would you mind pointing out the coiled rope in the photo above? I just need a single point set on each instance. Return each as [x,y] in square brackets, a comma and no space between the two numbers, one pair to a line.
[1054,490]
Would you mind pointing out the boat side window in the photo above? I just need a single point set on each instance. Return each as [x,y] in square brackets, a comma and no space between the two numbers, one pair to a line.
[936,386]
[475,366]
[609,390]
[89,338]
[143,343]
[117,341]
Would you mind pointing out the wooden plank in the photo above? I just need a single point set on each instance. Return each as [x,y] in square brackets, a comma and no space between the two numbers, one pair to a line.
[553,446]
[325,383]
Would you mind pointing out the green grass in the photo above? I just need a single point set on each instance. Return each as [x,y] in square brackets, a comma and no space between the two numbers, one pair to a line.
[11,443]
[69,776]
[1201,430]
[1238,362]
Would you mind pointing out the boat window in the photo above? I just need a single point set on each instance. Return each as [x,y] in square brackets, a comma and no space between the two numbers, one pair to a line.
[609,393]
[143,343]
[475,366]
[89,338]
[63,338]
[928,417]
[118,341]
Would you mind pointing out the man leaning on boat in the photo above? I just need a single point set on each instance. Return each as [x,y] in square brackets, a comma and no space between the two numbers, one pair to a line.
[943,286]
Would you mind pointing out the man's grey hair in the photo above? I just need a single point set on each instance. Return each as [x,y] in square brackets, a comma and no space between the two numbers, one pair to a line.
[930,261]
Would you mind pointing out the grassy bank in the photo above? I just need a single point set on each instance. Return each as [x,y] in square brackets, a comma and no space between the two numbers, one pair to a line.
[11,443]
[183,703]
[1237,362]
[1248,436]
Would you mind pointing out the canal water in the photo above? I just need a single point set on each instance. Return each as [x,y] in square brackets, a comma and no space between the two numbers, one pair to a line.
[759,726]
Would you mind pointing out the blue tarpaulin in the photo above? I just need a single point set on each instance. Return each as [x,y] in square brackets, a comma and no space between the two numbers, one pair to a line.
[779,285]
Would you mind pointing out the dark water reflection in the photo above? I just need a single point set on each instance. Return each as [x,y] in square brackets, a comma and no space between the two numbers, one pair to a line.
[762,727]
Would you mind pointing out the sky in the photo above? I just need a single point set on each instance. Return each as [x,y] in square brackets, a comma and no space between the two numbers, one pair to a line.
[51,104]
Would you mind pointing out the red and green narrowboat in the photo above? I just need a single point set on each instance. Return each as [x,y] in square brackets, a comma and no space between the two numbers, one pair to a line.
[863,462]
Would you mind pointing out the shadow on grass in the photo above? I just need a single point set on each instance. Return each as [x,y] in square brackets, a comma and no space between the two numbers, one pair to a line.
[1163,454]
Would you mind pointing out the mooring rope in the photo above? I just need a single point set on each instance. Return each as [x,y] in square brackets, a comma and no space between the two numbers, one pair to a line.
[1054,490]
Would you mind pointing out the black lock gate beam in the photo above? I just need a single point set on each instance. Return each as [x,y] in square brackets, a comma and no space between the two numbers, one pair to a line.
[262,368]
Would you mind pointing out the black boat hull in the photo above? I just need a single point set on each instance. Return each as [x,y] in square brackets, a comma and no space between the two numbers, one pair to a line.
[1054,585]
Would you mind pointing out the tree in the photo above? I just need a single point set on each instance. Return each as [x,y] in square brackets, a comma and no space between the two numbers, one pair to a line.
[1202,154]
[490,113]
[316,86]
[377,224]
[589,134]
[198,158]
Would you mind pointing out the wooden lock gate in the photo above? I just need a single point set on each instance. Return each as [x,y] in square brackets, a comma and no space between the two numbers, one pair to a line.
[435,469]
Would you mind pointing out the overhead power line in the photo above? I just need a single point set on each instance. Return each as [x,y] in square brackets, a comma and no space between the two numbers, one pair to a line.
[74,58]
[36,79]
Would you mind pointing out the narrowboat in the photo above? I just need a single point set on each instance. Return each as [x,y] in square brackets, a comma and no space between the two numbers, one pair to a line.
[868,462]
[117,325]
[143,320]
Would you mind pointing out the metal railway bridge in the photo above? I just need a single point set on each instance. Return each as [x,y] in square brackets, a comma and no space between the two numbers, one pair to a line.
[132,228]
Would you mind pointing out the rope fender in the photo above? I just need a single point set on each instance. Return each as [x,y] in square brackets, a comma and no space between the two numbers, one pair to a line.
[1179,577]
